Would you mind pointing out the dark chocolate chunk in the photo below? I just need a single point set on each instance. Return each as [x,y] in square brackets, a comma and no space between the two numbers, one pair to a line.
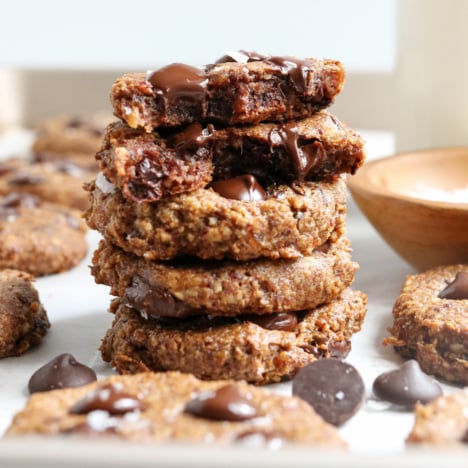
[243,188]
[109,398]
[296,69]
[457,289]
[191,137]
[406,385]
[224,404]
[64,371]
[332,387]
[286,321]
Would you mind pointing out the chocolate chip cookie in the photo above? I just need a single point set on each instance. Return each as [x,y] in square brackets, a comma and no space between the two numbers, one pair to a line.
[149,166]
[23,320]
[39,237]
[225,288]
[288,223]
[257,88]
[431,322]
[165,407]
[57,182]
[260,349]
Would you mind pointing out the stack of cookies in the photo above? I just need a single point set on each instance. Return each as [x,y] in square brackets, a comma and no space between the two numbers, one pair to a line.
[222,204]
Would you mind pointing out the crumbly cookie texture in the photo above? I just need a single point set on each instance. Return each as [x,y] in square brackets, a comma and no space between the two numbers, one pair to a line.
[58,182]
[162,407]
[290,223]
[443,422]
[233,348]
[23,320]
[431,329]
[38,237]
[233,93]
[150,166]
[225,288]
[71,138]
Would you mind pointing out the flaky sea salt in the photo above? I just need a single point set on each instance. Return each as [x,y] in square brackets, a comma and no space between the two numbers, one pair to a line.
[459,195]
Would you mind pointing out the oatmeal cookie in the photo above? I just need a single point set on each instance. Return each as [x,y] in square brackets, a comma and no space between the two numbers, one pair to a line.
[170,406]
[23,320]
[57,182]
[149,166]
[430,325]
[442,422]
[225,288]
[269,89]
[39,237]
[289,223]
[260,349]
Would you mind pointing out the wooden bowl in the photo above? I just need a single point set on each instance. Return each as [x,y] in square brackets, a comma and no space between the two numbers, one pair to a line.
[392,193]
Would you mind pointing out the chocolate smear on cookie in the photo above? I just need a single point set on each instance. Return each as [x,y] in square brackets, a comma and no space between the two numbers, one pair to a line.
[457,289]
[406,385]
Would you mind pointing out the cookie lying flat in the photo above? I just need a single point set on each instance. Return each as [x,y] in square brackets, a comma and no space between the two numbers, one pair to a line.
[225,288]
[71,138]
[165,407]
[289,223]
[57,182]
[149,166]
[430,328]
[270,89]
[259,349]
[23,320]
[443,422]
[39,237]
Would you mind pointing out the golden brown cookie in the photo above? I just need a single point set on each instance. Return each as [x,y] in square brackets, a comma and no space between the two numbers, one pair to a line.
[431,326]
[23,320]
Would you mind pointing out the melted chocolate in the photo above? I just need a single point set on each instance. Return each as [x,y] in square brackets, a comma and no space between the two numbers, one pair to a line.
[241,56]
[296,69]
[457,289]
[407,385]
[285,321]
[109,398]
[224,404]
[192,137]
[64,371]
[243,188]
[179,82]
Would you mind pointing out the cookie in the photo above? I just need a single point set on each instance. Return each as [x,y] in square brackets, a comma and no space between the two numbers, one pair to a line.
[39,237]
[72,138]
[23,319]
[269,89]
[259,349]
[443,422]
[57,182]
[149,166]
[430,327]
[288,223]
[173,407]
[225,288]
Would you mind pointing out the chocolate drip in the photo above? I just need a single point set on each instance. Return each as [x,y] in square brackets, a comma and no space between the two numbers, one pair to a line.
[296,69]
[457,289]
[243,188]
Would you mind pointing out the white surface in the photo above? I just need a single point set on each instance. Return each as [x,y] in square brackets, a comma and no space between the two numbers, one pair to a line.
[77,310]
[148,33]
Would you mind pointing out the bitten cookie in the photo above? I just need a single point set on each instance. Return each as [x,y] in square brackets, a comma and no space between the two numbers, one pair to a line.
[57,182]
[39,237]
[165,407]
[257,89]
[23,320]
[149,166]
[260,349]
[431,322]
[442,422]
[223,288]
[288,223]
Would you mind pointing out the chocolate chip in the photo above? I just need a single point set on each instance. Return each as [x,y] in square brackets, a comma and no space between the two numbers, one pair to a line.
[243,188]
[457,289]
[64,371]
[109,398]
[332,387]
[224,404]
[286,321]
[406,385]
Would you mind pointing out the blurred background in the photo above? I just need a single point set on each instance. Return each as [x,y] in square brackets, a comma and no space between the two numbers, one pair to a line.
[406,59]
